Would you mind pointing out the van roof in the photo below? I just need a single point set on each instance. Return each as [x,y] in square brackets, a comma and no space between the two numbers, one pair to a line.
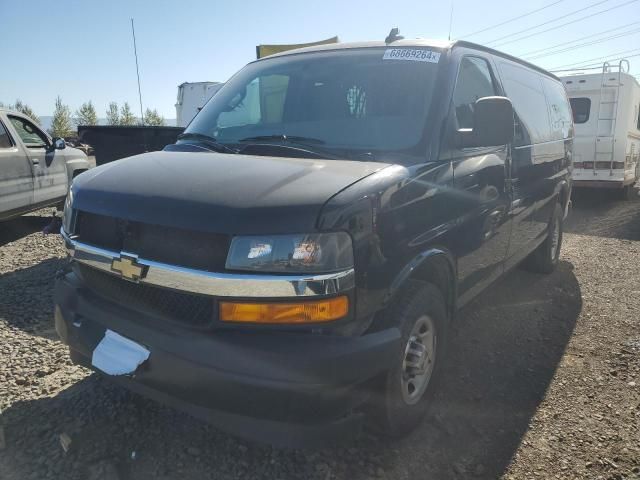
[416,42]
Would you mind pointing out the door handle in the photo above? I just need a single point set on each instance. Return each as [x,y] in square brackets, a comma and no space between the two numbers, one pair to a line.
[35,161]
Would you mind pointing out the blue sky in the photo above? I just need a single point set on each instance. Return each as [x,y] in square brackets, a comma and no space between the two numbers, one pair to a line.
[82,50]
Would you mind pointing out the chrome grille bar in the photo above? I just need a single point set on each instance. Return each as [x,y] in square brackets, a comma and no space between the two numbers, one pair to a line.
[216,283]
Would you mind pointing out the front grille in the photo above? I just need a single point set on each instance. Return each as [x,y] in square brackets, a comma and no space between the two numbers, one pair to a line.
[175,246]
[191,309]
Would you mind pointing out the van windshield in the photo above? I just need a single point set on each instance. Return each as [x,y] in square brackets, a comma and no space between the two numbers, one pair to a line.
[351,102]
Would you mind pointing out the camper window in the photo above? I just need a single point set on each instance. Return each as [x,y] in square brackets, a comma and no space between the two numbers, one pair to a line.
[581,108]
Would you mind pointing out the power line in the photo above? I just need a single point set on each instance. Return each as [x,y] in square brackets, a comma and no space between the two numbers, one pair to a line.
[600,2]
[563,44]
[596,58]
[576,69]
[582,45]
[595,66]
[568,23]
[513,19]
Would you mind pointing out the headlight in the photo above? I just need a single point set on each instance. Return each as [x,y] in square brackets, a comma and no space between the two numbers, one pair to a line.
[67,213]
[319,252]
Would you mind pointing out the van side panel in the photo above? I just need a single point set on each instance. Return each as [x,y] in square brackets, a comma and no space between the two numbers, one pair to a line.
[540,154]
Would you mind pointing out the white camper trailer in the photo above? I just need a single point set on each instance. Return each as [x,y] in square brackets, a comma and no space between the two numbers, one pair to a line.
[606,114]
[191,98]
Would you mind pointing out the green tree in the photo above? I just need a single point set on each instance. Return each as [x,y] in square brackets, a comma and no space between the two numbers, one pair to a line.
[113,117]
[153,118]
[61,125]
[23,108]
[26,110]
[86,114]
[126,115]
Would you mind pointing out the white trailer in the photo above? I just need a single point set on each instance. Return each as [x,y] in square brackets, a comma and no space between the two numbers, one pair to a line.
[191,98]
[606,114]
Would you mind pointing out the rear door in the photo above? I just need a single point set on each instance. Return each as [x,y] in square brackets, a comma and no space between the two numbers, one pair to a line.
[49,165]
[16,178]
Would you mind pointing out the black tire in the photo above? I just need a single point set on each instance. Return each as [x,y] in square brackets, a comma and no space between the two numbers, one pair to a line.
[544,259]
[392,413]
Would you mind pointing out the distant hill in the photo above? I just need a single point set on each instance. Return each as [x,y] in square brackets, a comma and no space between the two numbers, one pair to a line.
[45,122]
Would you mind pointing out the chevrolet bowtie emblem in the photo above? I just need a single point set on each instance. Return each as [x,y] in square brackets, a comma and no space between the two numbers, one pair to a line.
[129,268]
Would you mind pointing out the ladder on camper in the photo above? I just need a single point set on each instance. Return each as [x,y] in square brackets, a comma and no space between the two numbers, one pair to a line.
[605,139]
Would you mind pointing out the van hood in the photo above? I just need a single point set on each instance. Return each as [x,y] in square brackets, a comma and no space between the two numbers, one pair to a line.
[222,193]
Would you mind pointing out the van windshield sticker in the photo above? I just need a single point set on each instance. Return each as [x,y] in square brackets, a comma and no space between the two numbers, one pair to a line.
[413,54]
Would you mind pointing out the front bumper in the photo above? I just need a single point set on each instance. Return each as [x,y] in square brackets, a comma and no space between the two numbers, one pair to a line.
[287,389]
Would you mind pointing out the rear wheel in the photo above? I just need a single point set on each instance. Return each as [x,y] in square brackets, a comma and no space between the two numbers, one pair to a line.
[410,383]
[544,259]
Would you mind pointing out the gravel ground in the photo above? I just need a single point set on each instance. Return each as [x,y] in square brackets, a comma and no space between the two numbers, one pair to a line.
[543,382]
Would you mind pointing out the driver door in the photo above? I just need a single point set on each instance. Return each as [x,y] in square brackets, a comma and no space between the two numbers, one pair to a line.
[48,164]
[16,179]
[482,198]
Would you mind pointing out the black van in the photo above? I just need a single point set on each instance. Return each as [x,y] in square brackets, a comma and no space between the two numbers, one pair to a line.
[297,257]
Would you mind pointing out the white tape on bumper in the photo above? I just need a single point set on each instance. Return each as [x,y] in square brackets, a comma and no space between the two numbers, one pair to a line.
[117,355]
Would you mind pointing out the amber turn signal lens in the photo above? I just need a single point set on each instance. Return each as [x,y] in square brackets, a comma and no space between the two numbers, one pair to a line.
[282,313]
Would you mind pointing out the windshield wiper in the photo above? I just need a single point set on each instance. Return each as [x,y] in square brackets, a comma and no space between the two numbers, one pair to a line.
[293,142]
[207,140]
[298,150]
[283,139]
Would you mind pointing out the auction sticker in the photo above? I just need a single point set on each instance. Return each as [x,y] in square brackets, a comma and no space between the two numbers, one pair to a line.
[412,54]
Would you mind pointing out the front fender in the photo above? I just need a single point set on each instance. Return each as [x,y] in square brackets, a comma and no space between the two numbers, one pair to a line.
[77,164]
[429,265]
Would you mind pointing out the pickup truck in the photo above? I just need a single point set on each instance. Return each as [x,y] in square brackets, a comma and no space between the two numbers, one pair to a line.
[35,169]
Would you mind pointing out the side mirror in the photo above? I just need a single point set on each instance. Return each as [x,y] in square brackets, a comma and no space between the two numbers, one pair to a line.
[59,143]
[492,124]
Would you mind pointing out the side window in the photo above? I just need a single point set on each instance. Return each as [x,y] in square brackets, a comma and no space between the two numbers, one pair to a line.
[581,107]
[474,82]
[5,140]
[559,109]
[524,87]
[30,135]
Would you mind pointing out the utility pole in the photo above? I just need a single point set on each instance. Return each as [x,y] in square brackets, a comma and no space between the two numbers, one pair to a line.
[450,20]
[135,52]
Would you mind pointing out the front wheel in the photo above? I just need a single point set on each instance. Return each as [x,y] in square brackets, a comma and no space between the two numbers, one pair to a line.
[409,384]
[544,259]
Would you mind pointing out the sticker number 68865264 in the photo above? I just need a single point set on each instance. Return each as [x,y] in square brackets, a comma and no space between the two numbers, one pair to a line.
[412,54]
